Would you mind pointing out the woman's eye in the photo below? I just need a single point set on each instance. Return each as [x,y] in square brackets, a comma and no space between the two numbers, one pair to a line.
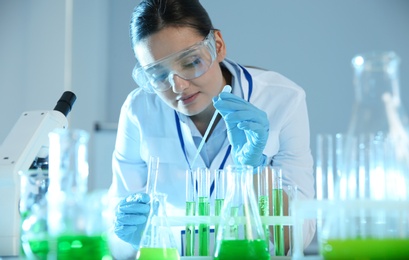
[192,63]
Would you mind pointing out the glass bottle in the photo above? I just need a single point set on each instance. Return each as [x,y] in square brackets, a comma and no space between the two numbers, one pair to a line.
[75,218]
[157,240]
[374,175]
[241,233]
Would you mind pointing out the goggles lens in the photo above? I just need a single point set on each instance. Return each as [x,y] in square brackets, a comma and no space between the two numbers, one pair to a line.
[188,64]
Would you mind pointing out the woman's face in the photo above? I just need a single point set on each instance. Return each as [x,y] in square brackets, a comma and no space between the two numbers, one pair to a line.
[190,97]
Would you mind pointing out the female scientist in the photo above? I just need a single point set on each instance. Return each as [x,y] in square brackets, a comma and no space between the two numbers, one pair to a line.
[181,68]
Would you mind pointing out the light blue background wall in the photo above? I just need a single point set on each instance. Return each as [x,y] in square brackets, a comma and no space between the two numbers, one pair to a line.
[311,42]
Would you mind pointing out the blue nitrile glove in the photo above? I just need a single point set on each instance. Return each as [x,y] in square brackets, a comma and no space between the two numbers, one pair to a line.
[131,216]
[247,128]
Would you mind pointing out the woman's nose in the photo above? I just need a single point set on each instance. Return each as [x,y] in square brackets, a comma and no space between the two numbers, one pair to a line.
[178,84]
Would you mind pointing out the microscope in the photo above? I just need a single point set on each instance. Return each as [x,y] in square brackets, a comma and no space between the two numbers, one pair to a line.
[26,145]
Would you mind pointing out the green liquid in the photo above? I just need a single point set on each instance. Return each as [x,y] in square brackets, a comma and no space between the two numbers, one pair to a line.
[264,210]
[147,253]
[190,230]
[278,229]
[242,249]
[37,248]
[204,232]
[218,205]
[82,247]
[366,249]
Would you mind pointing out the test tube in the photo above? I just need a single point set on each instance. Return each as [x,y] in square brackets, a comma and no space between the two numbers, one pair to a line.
[292,193]
[190,211]
[203,177]
[263,197]
[220,192]
[278,210]
[152,175]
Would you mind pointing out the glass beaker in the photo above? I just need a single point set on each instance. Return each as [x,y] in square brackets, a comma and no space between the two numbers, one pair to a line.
[157,240]
[33,210]
[75,219]
[241,233]
[374,174]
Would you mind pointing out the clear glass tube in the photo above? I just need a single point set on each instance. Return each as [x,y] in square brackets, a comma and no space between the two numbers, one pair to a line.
[203,178]
[278,210]
[153,170]
[220,193]
[191,181]
[263,195]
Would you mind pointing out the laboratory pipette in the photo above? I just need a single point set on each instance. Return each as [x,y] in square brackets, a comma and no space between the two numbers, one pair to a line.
[226,88]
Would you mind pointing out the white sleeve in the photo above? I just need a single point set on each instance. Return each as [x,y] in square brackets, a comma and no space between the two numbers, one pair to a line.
[128,169]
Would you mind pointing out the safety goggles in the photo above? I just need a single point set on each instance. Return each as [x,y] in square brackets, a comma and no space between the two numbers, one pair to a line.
[187,64]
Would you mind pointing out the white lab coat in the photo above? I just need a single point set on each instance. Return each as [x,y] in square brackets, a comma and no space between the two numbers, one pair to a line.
[147,128]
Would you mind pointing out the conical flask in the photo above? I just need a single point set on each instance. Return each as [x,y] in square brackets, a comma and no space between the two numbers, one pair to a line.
[157,240]
[369,220]
[240,234]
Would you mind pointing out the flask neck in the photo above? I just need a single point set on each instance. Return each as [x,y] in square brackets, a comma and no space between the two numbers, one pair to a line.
[376,74]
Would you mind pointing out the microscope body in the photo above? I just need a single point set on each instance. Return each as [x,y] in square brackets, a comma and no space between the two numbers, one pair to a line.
[27,141]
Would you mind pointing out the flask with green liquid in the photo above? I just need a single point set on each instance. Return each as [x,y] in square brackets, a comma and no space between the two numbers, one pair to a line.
[370,220]
[157,240]
[241,233]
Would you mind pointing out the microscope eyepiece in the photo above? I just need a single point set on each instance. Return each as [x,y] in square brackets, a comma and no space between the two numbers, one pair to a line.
[64,104]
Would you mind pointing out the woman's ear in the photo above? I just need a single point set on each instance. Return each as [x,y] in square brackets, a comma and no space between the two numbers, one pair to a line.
[220,46]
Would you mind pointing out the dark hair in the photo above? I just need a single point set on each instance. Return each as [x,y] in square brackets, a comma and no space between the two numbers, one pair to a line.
[150,16]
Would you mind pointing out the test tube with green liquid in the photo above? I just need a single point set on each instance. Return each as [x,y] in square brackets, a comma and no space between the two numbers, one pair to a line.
[278,210]
[292,192]
[190,211]
[220,191]
[263,197]
[203,178]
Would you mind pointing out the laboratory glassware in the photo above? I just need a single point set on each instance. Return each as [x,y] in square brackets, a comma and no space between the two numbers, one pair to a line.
[203,179]
[157,240]
[33,211]
[278,210]
[190,211]
[220,193]
[374,174]
[241,233]
[153,169]
[263,195]
[75,219]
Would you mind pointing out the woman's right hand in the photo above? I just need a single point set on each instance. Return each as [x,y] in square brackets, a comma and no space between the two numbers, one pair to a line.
[131,217]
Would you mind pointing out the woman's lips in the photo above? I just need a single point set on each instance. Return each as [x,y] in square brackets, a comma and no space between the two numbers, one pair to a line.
[188,98]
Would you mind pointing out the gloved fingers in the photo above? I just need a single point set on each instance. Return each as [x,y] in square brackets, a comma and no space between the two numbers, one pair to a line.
[138,197]
[256,127]
[130,219]
[133,208]
[124,230]
[247,115]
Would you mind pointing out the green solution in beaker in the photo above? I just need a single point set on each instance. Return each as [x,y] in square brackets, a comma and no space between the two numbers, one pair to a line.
[243,249]
[190,229]
[38,247]
[82,247]
[264,210]
[150,253]
[204,232]
[368,249]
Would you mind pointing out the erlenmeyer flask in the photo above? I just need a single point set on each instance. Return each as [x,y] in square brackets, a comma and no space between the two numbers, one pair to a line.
[157,239]
[372,191]
[241,234]
[74,217]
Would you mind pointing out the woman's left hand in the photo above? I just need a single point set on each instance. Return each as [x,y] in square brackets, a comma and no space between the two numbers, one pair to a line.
[247,128]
